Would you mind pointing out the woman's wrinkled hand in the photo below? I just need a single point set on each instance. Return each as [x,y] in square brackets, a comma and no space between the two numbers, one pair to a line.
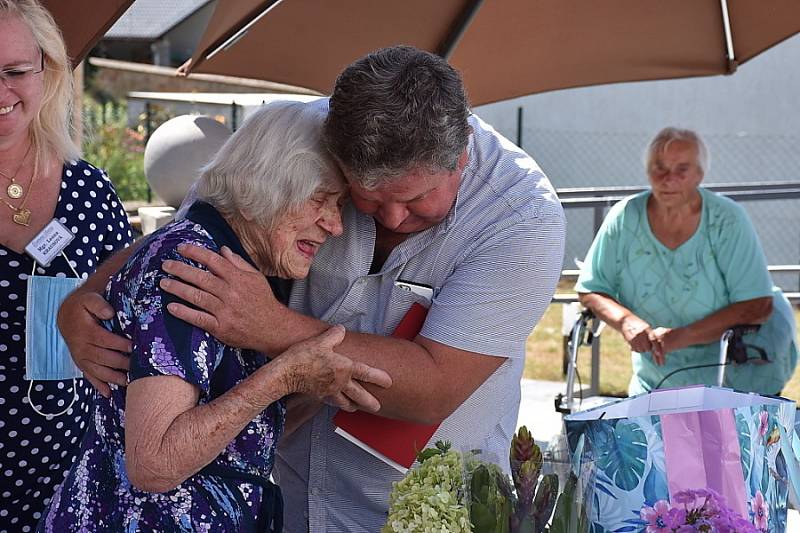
[99,354]
[668,340]
[312,367]
[637,333]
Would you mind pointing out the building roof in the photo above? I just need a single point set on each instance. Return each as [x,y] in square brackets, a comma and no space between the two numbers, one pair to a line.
[150,19]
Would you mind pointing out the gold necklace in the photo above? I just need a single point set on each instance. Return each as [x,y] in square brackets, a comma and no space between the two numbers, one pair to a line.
[15,191]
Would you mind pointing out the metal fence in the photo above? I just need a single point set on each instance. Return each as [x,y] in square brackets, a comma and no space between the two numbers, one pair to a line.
[579,160]
[576,161]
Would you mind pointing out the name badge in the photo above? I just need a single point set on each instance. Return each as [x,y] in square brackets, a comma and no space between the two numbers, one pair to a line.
[49,242]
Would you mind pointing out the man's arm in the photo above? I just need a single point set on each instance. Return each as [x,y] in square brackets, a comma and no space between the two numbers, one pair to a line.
[95,350]
[431,379]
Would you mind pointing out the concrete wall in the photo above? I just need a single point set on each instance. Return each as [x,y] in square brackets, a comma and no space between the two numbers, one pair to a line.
[118,78]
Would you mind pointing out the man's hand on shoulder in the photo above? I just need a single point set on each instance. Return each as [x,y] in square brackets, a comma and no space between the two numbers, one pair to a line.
[101,355]
[96,351]
[232,300]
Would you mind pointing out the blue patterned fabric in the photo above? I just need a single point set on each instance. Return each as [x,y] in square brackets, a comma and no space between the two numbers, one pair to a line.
[97,494]
[631,471]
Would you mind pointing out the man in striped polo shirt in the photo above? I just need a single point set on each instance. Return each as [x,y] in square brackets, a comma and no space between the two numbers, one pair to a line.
[438,199]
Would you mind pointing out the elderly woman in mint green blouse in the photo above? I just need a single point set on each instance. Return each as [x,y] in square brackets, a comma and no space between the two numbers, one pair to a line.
[675,266]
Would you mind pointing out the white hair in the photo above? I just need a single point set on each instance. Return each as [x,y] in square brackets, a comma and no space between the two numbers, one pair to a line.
[669,135]
[271,165]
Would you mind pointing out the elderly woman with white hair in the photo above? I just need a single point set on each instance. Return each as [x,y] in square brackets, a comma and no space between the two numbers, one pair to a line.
[189,444]
[675,266]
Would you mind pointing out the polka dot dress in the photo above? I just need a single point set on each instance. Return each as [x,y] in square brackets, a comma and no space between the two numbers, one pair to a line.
[37,451]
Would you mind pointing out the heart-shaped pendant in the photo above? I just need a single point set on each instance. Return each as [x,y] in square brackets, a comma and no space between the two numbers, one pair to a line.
[22,217]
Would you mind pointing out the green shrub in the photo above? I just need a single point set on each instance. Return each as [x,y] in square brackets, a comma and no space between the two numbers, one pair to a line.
[109,143]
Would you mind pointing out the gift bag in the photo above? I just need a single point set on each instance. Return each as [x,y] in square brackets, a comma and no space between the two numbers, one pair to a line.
[652,450]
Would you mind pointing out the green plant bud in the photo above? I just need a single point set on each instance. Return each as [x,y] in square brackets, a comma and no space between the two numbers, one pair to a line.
[545,501]
[533,461]
[522,444]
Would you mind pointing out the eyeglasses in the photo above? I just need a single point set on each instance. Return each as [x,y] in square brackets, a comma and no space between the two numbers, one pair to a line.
[19,76]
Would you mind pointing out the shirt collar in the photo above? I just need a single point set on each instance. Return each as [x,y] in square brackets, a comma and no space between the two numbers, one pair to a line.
[466,174]
[215,224]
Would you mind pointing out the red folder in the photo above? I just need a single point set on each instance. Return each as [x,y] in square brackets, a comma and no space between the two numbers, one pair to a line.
[395,442]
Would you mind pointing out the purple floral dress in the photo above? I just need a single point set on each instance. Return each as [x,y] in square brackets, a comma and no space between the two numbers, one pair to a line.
[233,493]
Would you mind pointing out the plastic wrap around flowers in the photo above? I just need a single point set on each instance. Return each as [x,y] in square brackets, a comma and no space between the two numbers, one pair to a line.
[457,492]
[703,510]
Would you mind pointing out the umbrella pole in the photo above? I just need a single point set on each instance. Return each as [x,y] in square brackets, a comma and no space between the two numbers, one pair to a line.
[238,34]
[726,26]
[445,50]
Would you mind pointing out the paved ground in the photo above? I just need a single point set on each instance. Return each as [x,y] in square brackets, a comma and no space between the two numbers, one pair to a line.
[537,409]
[537,412]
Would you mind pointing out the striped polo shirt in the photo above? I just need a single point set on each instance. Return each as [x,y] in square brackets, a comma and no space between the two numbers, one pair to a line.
[493,264]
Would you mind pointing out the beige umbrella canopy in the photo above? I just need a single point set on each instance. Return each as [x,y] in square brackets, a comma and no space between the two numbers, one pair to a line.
[504,48]
[84,22]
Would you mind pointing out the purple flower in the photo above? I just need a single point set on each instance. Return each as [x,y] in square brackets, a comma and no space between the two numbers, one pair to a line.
[727,521]
[655,517]
[760,511]
[740,525]
[692,500]
[702,511]
[713,504]
[684,496]
[675,518]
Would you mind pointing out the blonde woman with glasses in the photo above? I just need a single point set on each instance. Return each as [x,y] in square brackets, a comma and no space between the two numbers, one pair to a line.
[59,218]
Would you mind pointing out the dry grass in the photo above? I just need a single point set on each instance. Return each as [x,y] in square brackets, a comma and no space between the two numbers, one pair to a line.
[544,356]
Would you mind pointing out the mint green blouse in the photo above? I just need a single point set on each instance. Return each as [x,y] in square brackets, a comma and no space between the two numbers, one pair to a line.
[722,263]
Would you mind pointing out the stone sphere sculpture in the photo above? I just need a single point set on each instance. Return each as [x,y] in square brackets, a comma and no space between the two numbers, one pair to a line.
[176,152]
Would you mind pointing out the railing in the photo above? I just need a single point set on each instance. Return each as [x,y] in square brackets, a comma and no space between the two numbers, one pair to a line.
[601,198]
[565,298]
[626,190]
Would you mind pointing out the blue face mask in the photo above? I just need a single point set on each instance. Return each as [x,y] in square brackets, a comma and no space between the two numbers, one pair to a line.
[46,354]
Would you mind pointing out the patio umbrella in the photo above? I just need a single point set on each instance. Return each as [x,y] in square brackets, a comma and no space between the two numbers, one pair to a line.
[503,48]
[84,22]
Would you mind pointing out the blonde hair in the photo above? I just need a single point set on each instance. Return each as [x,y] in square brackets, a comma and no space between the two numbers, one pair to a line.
[52,127]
